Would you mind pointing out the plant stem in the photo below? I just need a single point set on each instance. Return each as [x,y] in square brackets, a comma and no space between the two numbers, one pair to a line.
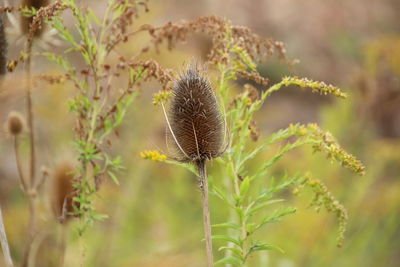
[201,166]
[4,243]
[62,245]
[19,166]
[31,191]
[29,111]
[239,206]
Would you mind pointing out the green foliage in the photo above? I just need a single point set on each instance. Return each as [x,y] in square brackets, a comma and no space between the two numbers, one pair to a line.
[98,113]
[249,207]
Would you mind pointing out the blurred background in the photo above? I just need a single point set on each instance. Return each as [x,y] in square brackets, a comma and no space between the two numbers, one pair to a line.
[155,213]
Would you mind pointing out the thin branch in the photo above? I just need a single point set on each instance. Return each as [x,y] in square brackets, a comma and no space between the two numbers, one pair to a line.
[201,165]
[125,37]
[19,165]
[4,243]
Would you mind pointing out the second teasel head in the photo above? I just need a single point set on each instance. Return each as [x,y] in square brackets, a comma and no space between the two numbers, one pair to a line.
[63,191]
[196,127]
[15,123]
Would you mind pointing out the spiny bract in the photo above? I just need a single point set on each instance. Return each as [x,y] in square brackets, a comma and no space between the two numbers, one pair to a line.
[195,119]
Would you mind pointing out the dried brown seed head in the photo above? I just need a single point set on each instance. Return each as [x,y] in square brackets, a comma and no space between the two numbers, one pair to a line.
[196,124]
[252,92]
[254,131]
[15,123]
[63,191]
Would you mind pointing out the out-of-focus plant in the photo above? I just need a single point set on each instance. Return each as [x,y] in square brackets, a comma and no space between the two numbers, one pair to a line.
[235,53]
[379,85]
[30,182]
[100,102]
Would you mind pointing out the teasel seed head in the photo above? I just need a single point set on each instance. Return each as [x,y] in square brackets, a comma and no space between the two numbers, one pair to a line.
[63,191]
[196,127]
[15,123]
[3,48]
[27,21]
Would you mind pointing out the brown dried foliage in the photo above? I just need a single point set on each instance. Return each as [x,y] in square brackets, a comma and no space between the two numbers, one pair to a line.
[253,76]
[45,12]
[119,28]
[27,21]
[257,47]
[152,70]
[51,79]
[254,130]
[10,8]
[252,92]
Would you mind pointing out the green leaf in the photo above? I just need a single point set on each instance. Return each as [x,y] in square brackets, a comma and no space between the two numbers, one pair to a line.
[100,217]
[113,177]
[251,155]
[244,186]
[93,16]
[262,205]
[229,260]
[264,195]
[221,194]
[231,225]
[265,247]
[187,166]
[227,238]
[276,216]
[236,251]
[250,227]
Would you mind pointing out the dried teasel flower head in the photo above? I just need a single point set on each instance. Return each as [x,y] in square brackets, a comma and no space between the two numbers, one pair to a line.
[27,21]
[196,128]
[3,48]
[15,123]
[63,191]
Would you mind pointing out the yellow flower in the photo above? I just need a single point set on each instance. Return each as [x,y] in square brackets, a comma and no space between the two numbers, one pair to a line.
[153,155]
[161,96]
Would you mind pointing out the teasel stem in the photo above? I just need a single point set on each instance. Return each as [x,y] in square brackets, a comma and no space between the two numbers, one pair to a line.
[201,166]
[31,228]
[62,245]
[31,192]
[29,110]
[4,243]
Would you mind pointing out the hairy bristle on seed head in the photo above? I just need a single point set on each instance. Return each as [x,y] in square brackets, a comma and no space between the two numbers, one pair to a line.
[3,48]
[195,119]
[27,21]
[15,123]
[63,191]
